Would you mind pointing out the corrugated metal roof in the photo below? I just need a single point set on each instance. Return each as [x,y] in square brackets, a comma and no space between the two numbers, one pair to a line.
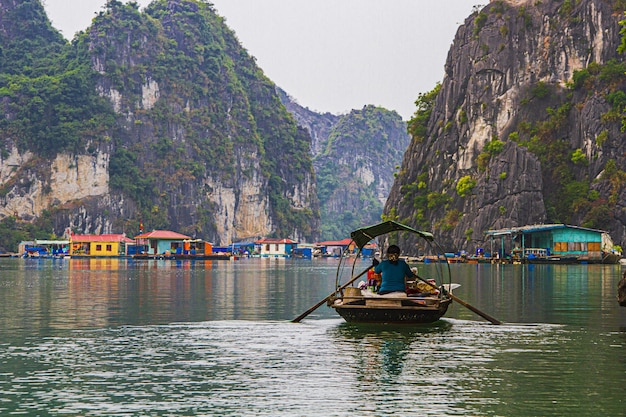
[51,242]
[536,228]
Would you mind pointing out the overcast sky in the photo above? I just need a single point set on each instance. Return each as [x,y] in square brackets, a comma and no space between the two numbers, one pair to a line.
[330,55]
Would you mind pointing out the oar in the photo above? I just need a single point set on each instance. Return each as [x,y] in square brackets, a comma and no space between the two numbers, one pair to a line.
[312,309]
[463,303]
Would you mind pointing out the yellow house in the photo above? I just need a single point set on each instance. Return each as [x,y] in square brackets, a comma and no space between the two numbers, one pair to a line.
[111,245]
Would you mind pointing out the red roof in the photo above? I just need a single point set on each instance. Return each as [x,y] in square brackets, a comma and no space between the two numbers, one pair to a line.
[162,234]
[344,242]
[102,238]
[271,240]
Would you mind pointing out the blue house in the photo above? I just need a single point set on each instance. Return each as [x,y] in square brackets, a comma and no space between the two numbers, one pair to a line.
[554,243]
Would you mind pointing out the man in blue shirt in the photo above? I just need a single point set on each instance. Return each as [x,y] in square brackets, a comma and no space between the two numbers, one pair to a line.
[393,270]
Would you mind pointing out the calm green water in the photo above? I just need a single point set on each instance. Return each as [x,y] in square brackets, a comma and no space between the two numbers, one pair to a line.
[161,338]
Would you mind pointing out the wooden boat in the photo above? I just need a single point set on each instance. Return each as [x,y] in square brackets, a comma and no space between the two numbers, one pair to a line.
[366,308]
[356,305]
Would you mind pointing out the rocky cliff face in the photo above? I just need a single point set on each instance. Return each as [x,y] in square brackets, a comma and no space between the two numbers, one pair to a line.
[194,139]
[524,129]
[33,180]
[319,125]
[355,158]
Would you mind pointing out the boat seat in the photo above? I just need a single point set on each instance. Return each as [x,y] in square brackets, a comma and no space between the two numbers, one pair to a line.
[369,294]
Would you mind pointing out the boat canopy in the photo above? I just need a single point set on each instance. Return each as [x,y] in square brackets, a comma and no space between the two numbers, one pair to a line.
[362,236]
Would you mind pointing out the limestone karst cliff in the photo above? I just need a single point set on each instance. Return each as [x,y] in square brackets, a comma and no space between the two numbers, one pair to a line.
[179,128]
[319,125]
[525,127]
[355,157]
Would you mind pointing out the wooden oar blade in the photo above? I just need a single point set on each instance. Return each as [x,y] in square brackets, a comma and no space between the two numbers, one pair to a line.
[475,310]
[316,306]
[466,305]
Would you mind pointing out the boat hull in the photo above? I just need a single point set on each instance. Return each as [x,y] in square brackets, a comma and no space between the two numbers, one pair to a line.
[398,314]
[571,260]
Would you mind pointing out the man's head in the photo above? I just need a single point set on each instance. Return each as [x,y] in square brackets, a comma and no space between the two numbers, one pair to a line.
[393,253]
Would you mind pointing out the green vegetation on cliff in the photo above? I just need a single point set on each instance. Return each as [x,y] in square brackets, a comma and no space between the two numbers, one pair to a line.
[569,196]
[174,99]
[49,95]
[355,169]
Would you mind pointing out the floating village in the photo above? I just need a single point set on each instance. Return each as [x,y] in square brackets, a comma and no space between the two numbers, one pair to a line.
[545,243]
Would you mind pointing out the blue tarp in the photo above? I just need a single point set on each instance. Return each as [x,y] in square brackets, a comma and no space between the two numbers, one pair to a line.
[222,249]
[306,253]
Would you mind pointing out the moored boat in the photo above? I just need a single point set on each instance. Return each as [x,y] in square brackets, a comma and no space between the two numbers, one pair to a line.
[426,300]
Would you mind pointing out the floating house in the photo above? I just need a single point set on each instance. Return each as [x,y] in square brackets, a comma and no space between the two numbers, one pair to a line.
[275,248]
[171,245]
[336,248]
[107,245]
[160,242]
[548,243]
[370,250]
[44,248]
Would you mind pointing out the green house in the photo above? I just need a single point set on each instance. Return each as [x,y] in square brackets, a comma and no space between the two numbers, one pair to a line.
[160,242]
[554,243]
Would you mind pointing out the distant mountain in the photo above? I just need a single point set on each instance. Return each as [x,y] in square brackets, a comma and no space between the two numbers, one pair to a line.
[319,125]
[355,158]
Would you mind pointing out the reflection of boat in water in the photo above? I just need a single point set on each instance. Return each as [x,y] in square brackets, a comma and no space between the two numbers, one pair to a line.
[356,305]
[360,331]
[383,349]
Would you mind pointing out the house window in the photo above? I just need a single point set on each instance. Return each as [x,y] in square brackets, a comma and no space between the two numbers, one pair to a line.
[109,248]
[577,246]
[593,246]
[276,247]
[267,247]
[98,248]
